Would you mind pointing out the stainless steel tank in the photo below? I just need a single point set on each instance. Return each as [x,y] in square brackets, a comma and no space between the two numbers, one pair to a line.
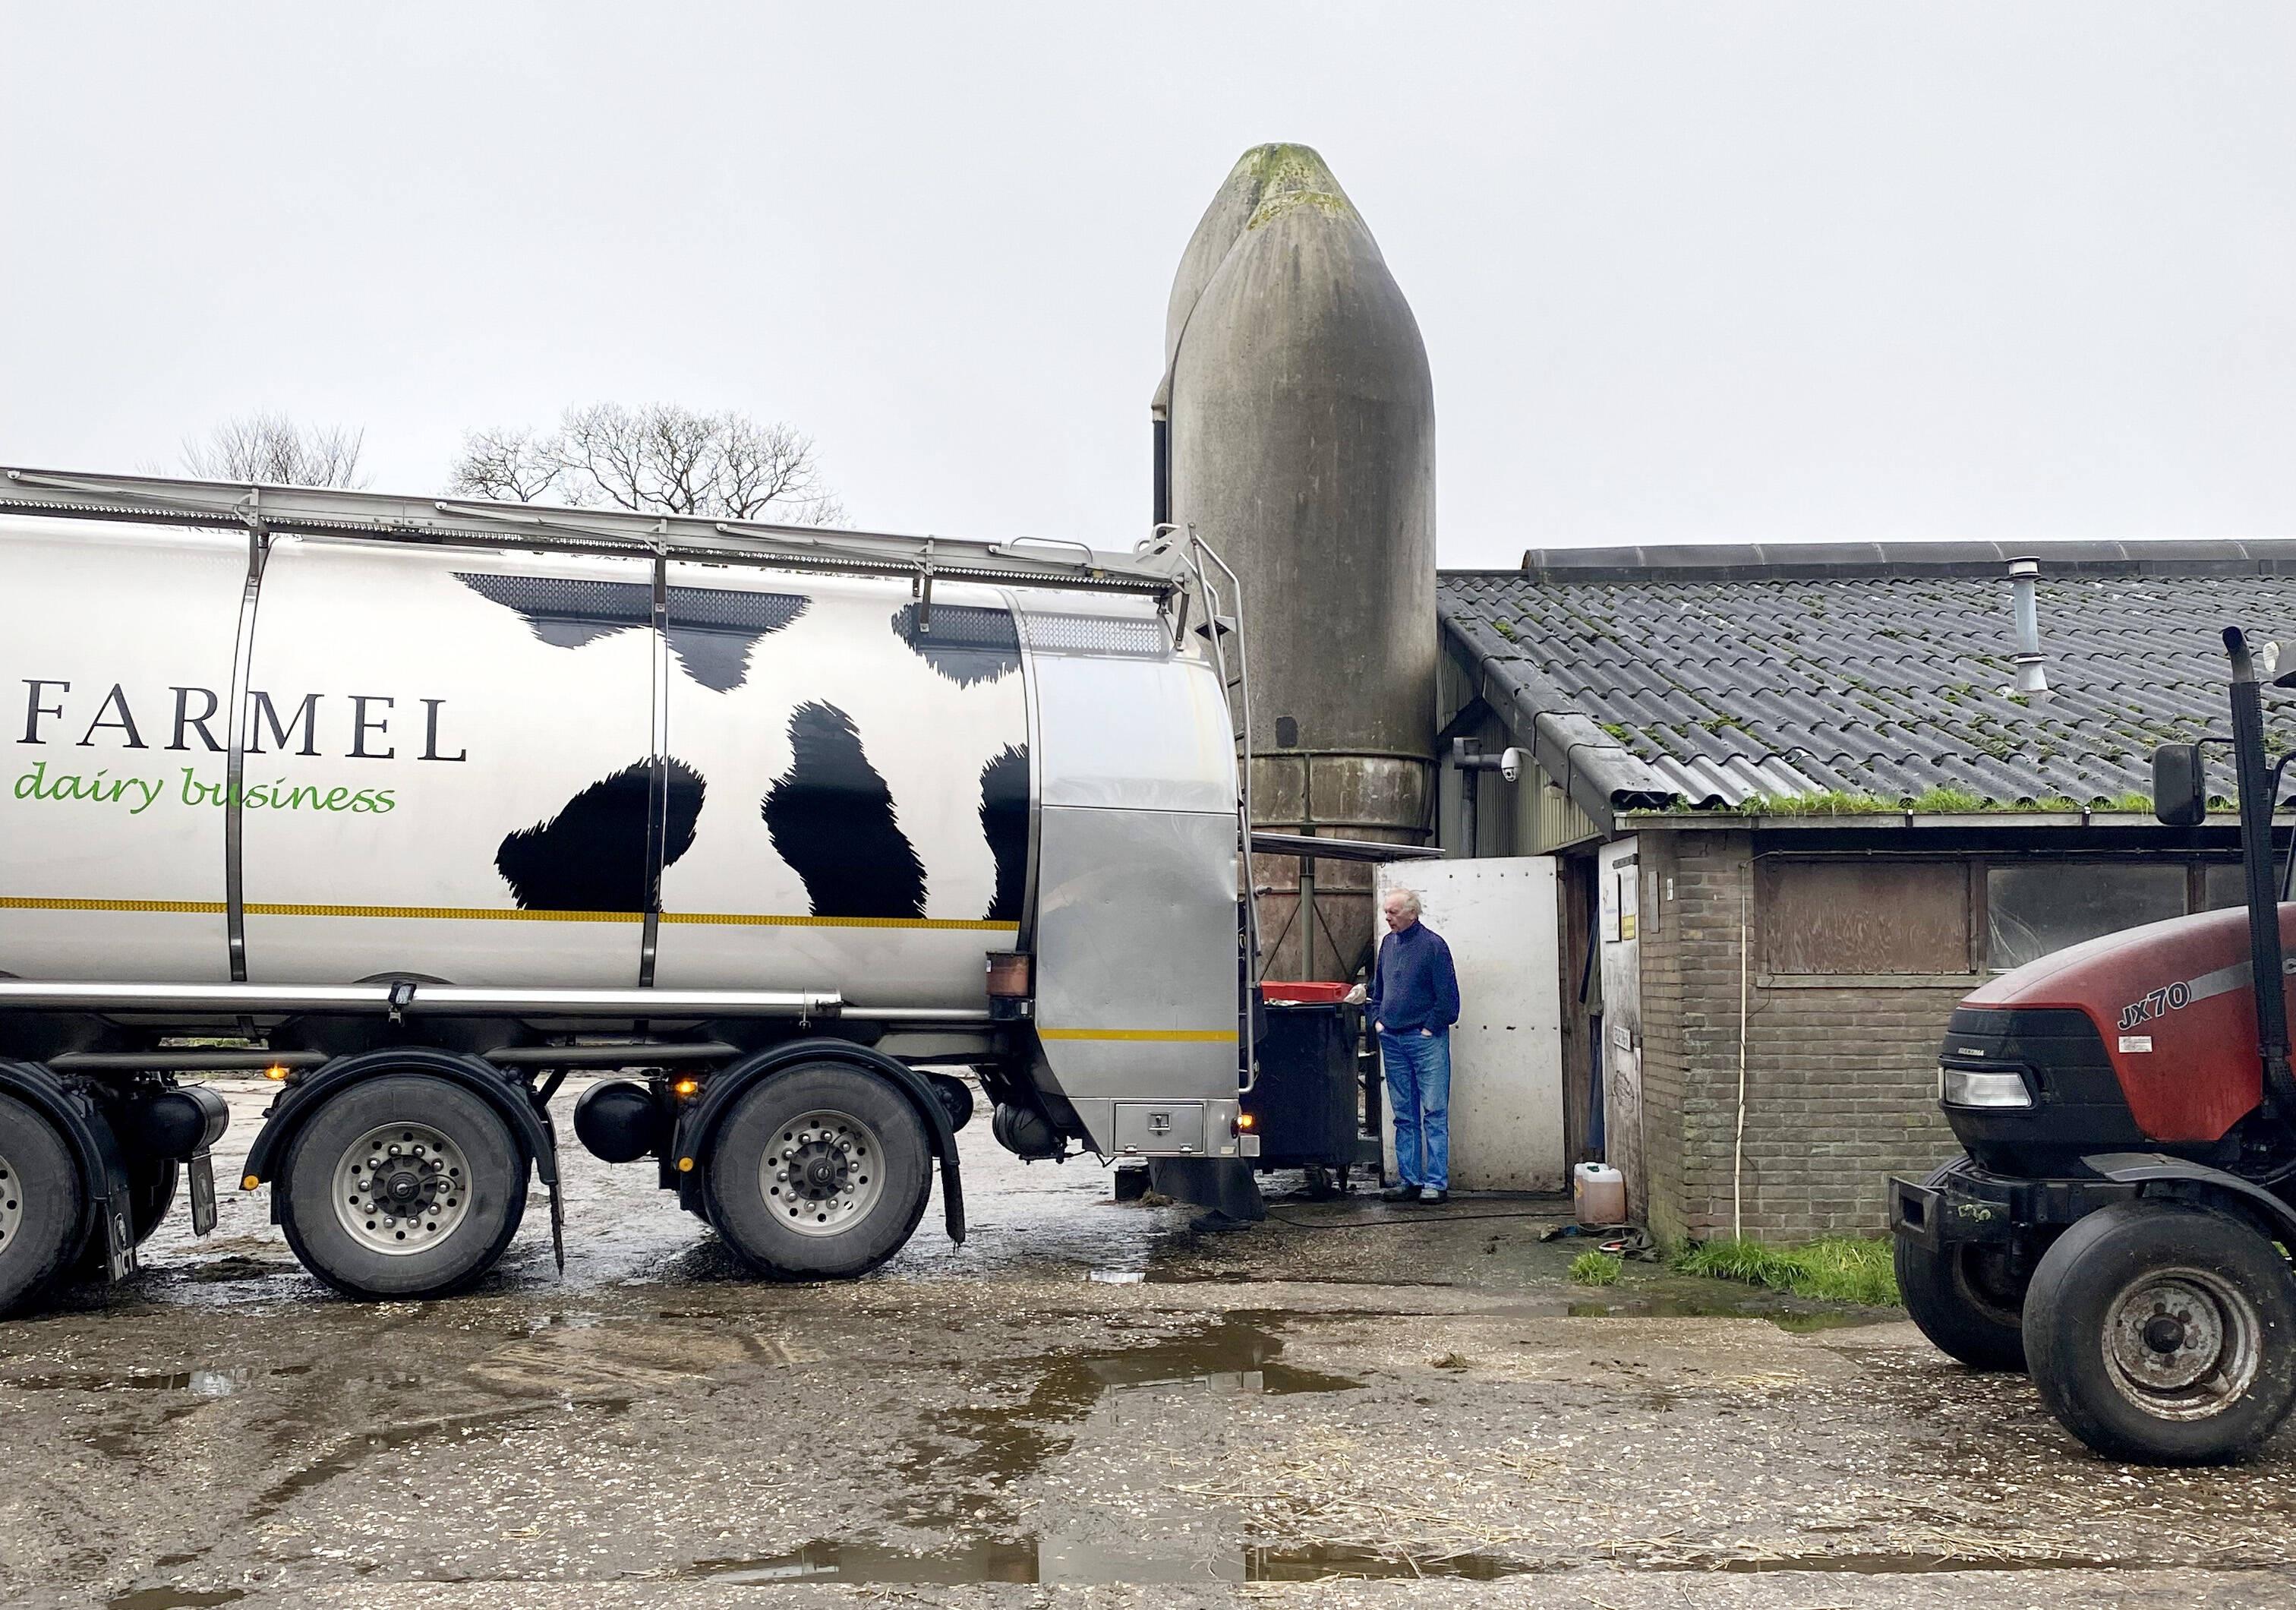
[1296,431]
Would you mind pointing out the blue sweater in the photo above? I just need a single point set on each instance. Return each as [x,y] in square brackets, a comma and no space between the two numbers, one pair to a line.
[1413,985]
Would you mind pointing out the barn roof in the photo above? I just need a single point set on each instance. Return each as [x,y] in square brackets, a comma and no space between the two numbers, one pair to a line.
[1713,676]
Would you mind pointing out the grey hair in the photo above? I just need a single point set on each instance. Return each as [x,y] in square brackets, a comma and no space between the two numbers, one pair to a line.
[1409,897]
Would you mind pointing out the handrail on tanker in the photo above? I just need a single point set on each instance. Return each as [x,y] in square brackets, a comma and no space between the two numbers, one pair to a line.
[327,512]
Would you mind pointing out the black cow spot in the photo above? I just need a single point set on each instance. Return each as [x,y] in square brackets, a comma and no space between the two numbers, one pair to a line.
[1004,820]
[712,629]
[565,612]
[832,819]
[592,855]
[966,644]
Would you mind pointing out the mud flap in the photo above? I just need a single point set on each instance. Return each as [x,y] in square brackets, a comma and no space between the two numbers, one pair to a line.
[200,1173]
[119,1239]
[558,1228]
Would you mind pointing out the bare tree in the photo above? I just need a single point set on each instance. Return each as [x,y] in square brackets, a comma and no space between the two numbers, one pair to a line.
[273,450]
[662,458]
[506,466]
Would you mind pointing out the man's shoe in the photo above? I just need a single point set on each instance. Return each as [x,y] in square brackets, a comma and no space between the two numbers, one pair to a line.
[1400,1193]
[1429,1194]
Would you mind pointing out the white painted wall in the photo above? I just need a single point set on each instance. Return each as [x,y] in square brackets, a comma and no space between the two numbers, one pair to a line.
[1498,913]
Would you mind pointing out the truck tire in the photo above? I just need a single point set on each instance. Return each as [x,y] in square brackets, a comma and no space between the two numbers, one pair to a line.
[42,1206]
[2163,1332]
[404,1185]
[820,1173]
[1965,1298]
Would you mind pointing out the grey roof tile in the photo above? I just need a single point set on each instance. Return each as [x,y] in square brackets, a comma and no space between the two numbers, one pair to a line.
[1710,675]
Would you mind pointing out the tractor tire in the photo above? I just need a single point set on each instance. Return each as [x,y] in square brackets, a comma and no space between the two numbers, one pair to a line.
[1965,1297]
[2163,1332]
[43,1207]
[820,1173]
[403,1187]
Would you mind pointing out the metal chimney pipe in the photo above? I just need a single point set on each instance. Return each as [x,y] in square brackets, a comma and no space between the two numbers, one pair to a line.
[2032,677]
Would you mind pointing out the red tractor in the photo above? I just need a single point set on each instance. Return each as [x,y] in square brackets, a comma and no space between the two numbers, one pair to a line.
[2122,1223]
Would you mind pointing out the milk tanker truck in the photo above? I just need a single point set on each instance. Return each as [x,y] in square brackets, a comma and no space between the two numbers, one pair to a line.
[421,806]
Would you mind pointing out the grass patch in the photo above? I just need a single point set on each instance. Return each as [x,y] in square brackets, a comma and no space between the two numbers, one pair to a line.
[1596,1269]
[1838,1269]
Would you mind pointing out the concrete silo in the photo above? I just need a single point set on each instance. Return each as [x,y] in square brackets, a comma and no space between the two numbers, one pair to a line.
[1295,430]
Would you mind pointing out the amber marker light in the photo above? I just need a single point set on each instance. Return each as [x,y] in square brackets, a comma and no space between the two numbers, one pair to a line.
[686,1087]
[250,1183]
[276,1071]
[1245,1121]
[685,1165]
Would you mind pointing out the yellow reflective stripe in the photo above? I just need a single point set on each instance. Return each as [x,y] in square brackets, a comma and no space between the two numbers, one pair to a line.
[18,902]
[469,914]
[493,914]
[1186,1036]
[742,919]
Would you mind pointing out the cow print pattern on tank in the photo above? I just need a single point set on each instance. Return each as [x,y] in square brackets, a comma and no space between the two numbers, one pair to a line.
[592,855]
[711,629]
[832,819]
[566,612]
[966,644]
[1004,822]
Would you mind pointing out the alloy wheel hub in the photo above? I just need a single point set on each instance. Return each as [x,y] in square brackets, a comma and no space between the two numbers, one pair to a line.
[11,1203]
[821,1174]
[402,1187]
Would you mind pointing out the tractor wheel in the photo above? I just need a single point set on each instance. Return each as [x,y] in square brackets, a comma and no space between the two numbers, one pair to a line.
[820,1173]
[404,1185]
[2163,1332]
[1968,1298]
[42,1210]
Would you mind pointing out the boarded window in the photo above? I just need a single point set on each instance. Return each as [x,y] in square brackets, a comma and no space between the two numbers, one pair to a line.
[2038,907]
[1851,917]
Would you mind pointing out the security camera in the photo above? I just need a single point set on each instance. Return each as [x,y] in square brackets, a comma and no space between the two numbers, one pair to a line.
[1511,764]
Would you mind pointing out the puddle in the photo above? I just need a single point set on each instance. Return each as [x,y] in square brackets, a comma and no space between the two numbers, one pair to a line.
[1117,1277]
[1003,1443]
[1056,1560]
[198,1382]
[173,1599]
[1917,1564]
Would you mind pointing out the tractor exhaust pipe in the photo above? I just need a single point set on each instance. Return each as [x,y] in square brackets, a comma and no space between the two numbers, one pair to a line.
[2264,948]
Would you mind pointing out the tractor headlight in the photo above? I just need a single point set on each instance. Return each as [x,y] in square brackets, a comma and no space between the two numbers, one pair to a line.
[1961,1087]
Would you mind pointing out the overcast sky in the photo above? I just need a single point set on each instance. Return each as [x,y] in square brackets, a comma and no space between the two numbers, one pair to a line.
[1726,272]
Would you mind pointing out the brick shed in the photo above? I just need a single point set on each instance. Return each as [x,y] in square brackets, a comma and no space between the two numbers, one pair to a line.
[1799,777]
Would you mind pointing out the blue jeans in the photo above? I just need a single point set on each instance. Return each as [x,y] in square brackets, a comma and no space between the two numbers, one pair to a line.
[1418,1068]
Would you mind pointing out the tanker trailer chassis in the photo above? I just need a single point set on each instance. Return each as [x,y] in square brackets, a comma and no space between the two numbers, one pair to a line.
[413,1114]
[2121,1224]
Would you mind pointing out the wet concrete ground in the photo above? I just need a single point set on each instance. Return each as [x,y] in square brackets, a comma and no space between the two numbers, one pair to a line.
[1353,1404]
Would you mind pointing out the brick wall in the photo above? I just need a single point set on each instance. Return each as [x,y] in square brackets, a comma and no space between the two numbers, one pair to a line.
[1840,1076]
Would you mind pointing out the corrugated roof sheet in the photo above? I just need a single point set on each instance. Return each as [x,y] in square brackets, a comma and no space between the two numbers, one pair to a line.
[1708,677]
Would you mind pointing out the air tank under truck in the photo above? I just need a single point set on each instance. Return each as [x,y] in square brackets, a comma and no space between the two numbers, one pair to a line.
[428,806]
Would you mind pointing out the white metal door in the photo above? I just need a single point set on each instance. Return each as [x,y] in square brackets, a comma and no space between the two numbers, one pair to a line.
[1497,915]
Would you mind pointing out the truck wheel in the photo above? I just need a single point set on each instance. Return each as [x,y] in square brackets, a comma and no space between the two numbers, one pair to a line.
[42,1208]
[2163,1332]
[404,1185]
[820,1173]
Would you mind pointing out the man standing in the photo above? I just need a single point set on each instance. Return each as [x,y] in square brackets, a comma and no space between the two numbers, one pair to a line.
[1413,1001]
